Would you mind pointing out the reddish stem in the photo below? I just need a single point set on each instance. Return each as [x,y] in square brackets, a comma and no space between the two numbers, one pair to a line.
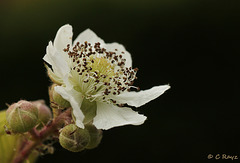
[40,136]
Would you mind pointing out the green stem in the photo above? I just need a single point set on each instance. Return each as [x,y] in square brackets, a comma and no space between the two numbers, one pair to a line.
[39,137]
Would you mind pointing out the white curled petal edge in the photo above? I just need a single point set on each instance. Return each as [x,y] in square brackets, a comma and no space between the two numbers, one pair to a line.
[50,51]
[140,98]
[89,36]
[54,58]
[75,98]
[109,116]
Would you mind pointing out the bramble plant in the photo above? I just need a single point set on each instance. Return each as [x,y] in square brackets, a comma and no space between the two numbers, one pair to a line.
[91,91]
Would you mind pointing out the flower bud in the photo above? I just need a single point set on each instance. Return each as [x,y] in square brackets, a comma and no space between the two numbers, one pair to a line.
[57,98]
[95,136]
[73,138]
[22,116]
[44,113]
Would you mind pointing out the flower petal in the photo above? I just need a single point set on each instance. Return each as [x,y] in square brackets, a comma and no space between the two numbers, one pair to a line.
[50,51]
[140,98]
[63,37]
[109,116]
[89,36]
[55,59]
[75,98]
[120,48]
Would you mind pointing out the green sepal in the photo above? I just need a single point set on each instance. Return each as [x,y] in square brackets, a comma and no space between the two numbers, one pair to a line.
[53,76]
[89,110]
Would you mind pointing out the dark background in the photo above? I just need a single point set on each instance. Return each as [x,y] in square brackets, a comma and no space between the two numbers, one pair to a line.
[192,45]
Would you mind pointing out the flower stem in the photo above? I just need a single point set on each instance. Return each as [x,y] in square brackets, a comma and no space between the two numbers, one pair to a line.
[40,136]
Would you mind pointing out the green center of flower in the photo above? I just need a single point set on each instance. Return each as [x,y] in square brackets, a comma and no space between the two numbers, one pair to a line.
[102,67]
[99,74]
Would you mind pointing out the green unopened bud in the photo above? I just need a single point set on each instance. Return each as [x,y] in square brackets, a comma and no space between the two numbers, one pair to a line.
[95,136]
[22,116]
[73,138]
[44,112]
[57,98]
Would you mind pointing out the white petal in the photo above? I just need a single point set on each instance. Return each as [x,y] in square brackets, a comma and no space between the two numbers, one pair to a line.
[140,98]
[63,37]
[89,36]
[120,48]
[109,116]
[49,53]
[57,61]
[75,99]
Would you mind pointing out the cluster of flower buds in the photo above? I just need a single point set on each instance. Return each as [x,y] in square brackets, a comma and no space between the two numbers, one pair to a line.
[24,115]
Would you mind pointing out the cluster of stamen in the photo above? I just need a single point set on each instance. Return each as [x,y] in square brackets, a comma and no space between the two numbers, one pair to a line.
[99,73]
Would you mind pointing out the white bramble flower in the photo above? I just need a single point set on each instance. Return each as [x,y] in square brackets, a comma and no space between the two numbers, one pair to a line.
[96,77]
